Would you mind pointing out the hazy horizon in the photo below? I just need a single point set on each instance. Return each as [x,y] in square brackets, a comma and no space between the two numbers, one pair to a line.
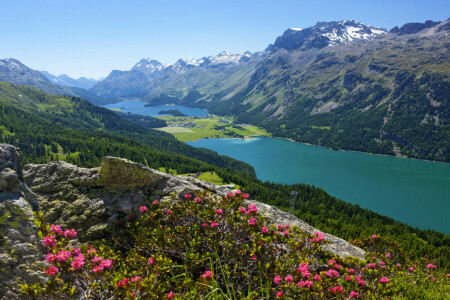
[92,38]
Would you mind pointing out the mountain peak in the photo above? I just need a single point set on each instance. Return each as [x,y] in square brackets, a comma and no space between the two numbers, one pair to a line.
[148,66]
[325,34]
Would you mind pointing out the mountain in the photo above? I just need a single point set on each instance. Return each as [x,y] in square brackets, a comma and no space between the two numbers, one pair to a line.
[128,84]
[325,34]
[411,28]
[65,80]
[149,78]
[14,71]
[343,85]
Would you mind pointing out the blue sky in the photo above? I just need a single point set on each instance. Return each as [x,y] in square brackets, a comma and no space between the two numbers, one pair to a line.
[92,37]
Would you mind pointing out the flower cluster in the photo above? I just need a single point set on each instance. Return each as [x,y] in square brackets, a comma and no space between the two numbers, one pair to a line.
[204,246]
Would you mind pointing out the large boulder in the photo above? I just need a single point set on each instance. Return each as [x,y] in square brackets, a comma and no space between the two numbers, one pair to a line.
[21,258]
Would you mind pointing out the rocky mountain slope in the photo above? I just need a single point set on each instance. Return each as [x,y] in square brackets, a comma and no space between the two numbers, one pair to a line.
[92,201]
[12,70]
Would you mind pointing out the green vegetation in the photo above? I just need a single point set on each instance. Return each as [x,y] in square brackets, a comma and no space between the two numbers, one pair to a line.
[173,112]
[194,128]
[144,121]
[89,133]
[207,247]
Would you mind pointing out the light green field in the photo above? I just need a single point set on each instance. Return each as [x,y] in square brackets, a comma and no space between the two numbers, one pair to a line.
[208,131]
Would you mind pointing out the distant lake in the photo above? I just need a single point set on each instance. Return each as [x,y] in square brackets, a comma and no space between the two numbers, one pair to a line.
[411,191]
[138,107]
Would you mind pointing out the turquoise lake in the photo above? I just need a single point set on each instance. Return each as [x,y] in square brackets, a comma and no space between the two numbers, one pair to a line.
[137,107]
[411,191]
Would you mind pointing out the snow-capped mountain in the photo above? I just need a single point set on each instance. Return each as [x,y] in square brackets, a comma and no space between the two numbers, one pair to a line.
[325,34]
[14,71]
[65,80]
[224,58]
[149,67]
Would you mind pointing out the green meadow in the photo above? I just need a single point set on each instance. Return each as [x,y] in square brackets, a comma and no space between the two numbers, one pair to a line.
[214,127]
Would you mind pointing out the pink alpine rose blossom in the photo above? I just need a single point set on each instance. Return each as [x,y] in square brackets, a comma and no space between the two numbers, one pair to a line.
[143,209]
[265,230]
[384,280]
[219,211]
[277,279]
[52,270]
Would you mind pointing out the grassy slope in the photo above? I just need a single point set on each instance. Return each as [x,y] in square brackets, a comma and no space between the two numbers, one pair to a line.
[205,128]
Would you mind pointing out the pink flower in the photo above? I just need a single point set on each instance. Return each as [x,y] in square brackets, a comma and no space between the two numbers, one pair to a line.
[289,279]
[207,274]
[135,278]
[187,196]
[49,241]
[348,278]
[143,208]
[332,273]
[169,211]
[150,261]
[78,262]
[243,210]
[276,232]
[252,221]
[331,262]
[286,233]
[280,227]
[97,269]
[76,251]
[429,266]
[354,294]
[106,263]
[254,258]
[70,233]
[219,211]
[237,192]
[122,283]
[371,266]
[252,208]
[318,237]
[388,255]
[337,289]
[317,277]
[204,224]
[280,294]
[155,202]
[97,259]
[265,230]
[214,224]
[50,258]
[63,255]
[351,271]
[307,283]
[277,279]
[384,280]
[399,265]
[411,269]
[170,295]
[92,251]
[197,199]
[230,194]
[56,229]
[374,236]
[52,270]
[245,195]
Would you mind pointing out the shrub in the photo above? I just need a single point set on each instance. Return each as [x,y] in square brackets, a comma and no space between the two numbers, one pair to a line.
[206,246]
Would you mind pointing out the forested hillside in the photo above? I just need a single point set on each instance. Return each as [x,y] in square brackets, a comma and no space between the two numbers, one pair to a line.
[47,127]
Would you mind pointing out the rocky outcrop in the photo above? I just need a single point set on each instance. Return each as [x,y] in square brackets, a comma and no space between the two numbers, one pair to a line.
[20,256]
[93,201]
